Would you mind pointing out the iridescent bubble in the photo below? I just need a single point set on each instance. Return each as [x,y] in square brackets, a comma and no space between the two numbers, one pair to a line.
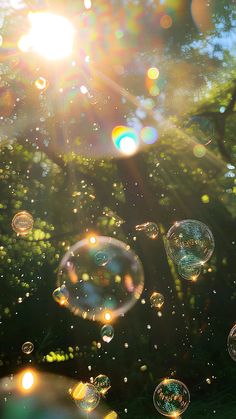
[86,396]
[150,229]
[149,135]
[231,343]
[125,139]
[27,348]
[157,300]
[190,242]
[171,398]
[61,295]
[189,272]
[107,333]
[22,223]
[103,276]
[102,384]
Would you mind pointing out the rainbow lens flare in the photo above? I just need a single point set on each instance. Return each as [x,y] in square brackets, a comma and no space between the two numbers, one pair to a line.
[125,139]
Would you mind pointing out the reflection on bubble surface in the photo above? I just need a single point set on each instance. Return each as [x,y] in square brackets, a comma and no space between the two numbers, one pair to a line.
[101,276]
[102,384]
[150,229]
[157,300]
[189,272]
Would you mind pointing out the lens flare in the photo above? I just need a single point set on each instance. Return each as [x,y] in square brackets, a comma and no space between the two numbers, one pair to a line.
[125,139]
[50,36]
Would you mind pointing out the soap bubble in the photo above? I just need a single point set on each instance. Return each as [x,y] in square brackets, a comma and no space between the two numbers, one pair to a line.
[150,229]
[61,295]
[27,348]
[86,396]
[41,83]
[157,300]
[103,277]
[231,343]
[190,242]
[107,333]
[102,384]
[22,223]
[191,273]
[171,398]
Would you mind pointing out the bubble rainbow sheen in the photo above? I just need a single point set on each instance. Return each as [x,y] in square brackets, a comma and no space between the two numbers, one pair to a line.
[149,135]
[125,139]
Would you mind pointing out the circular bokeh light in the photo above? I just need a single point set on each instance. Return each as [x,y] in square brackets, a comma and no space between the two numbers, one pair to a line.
[171,398]
[103,277]
[149,135]
[190,242]
[125,139]
[153,73]
[199,150]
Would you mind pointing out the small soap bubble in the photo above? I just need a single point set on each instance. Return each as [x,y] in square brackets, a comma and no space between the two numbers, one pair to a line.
[61,295]
[27,348]
[101,258]
[86,396]
[231,343]
[191,273]
[150,229]
[171,398]
[22,223]
[157,300]
[102,384]
[189,242]
[107,333]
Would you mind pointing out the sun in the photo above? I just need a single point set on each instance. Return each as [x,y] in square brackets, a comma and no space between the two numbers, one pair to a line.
[50,36]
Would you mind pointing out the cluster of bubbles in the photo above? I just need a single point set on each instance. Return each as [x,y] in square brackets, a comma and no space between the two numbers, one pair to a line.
[171,398]
[22,223]
[107,333]
[157,300]
[99,278]
[27,348]
[231,343]
[189,243]
[150,229]
[86,396]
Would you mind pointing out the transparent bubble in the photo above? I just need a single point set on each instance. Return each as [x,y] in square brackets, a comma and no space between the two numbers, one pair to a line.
[150,229]
[231,343]
[157,300]
[107,333]
[189,272]
[103,277]
[102,384]
[86,396]
[27,348]
[190,242]
[171,398]
[22,223]
[61,295]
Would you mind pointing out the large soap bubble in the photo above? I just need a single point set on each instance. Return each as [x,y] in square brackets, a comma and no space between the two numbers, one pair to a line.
[86,396]
[190,243]
[171,398]
[102,384]
[103,278]
[231,343]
